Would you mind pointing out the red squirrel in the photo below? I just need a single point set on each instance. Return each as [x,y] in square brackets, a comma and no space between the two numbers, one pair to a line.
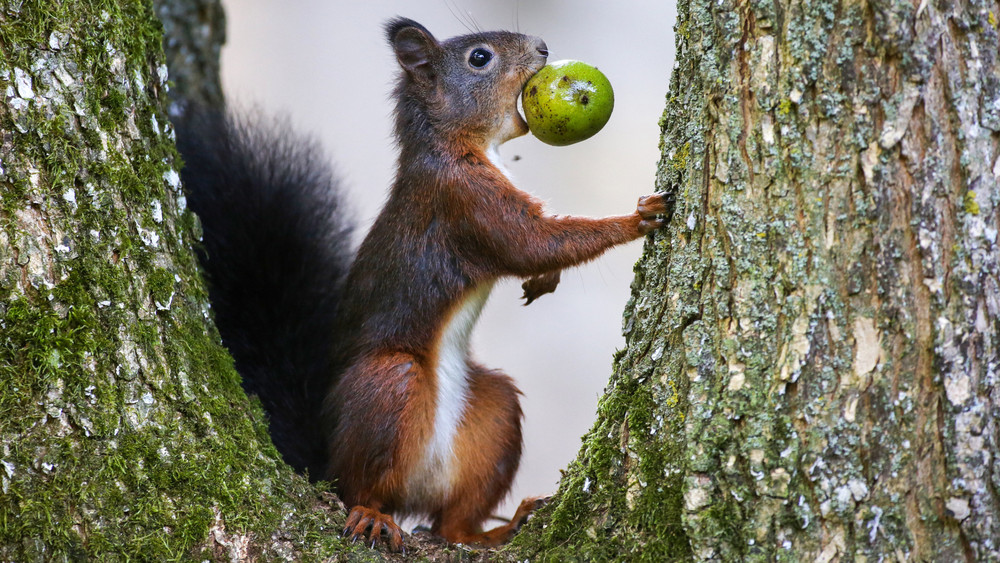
[411,424]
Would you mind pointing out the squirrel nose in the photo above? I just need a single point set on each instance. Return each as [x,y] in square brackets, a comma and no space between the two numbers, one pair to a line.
[542,48]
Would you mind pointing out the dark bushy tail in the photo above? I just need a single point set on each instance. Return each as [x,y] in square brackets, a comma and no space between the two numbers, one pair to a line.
[276,249]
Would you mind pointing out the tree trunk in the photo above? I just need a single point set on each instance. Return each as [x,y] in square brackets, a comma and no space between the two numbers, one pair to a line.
[812,361]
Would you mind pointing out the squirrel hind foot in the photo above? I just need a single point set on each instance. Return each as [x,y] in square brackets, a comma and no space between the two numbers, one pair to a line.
[368,523]
[503,533]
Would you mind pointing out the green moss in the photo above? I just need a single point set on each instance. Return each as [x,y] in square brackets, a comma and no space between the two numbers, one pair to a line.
[680,161]
[681,30]
[161,286]
[612,504]
[970,204]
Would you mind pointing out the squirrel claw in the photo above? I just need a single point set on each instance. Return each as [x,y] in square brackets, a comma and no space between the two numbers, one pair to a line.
[369,523]
[649,225]
[650,206]
[649,209]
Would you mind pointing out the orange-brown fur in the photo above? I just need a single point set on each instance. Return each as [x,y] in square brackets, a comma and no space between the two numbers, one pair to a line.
[453,222]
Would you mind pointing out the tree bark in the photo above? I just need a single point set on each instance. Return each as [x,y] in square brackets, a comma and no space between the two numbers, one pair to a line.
[193,34]
[812,344]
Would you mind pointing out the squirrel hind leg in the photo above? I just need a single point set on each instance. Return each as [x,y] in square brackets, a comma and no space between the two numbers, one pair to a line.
[488,448]
[462,532]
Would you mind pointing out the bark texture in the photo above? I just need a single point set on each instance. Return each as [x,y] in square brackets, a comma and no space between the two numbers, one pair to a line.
[812,362]
[193,34]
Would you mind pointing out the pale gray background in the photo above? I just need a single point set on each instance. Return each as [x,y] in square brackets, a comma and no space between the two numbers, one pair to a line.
[326,65]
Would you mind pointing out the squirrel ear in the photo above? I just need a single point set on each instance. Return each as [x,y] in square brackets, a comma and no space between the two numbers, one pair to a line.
[414,47]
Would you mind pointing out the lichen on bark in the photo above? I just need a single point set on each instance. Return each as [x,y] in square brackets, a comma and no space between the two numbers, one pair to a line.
[817,326]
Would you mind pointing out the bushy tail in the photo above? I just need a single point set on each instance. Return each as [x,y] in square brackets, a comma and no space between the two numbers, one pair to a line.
[276,250]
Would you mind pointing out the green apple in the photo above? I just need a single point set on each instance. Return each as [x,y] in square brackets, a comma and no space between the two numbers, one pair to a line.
[566,102]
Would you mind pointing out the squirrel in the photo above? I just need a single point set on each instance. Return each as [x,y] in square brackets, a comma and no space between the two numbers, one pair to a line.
[362,361]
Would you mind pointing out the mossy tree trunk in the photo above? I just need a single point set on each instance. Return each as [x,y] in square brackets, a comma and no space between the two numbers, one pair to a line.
[124,432]
[812,361]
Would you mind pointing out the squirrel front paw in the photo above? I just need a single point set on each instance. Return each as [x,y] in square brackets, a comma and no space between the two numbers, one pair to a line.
[540,285]
[648,209]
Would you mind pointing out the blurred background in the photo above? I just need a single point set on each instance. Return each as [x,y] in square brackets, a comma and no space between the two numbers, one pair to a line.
[326,66]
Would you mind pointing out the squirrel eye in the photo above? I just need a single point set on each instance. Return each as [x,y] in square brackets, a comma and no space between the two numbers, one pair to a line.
[480,57]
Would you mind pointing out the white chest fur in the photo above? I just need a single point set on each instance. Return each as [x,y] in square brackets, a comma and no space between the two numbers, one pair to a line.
[433,476]
[493,153]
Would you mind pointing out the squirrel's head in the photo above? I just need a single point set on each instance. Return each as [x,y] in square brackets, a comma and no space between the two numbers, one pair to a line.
[466,86]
